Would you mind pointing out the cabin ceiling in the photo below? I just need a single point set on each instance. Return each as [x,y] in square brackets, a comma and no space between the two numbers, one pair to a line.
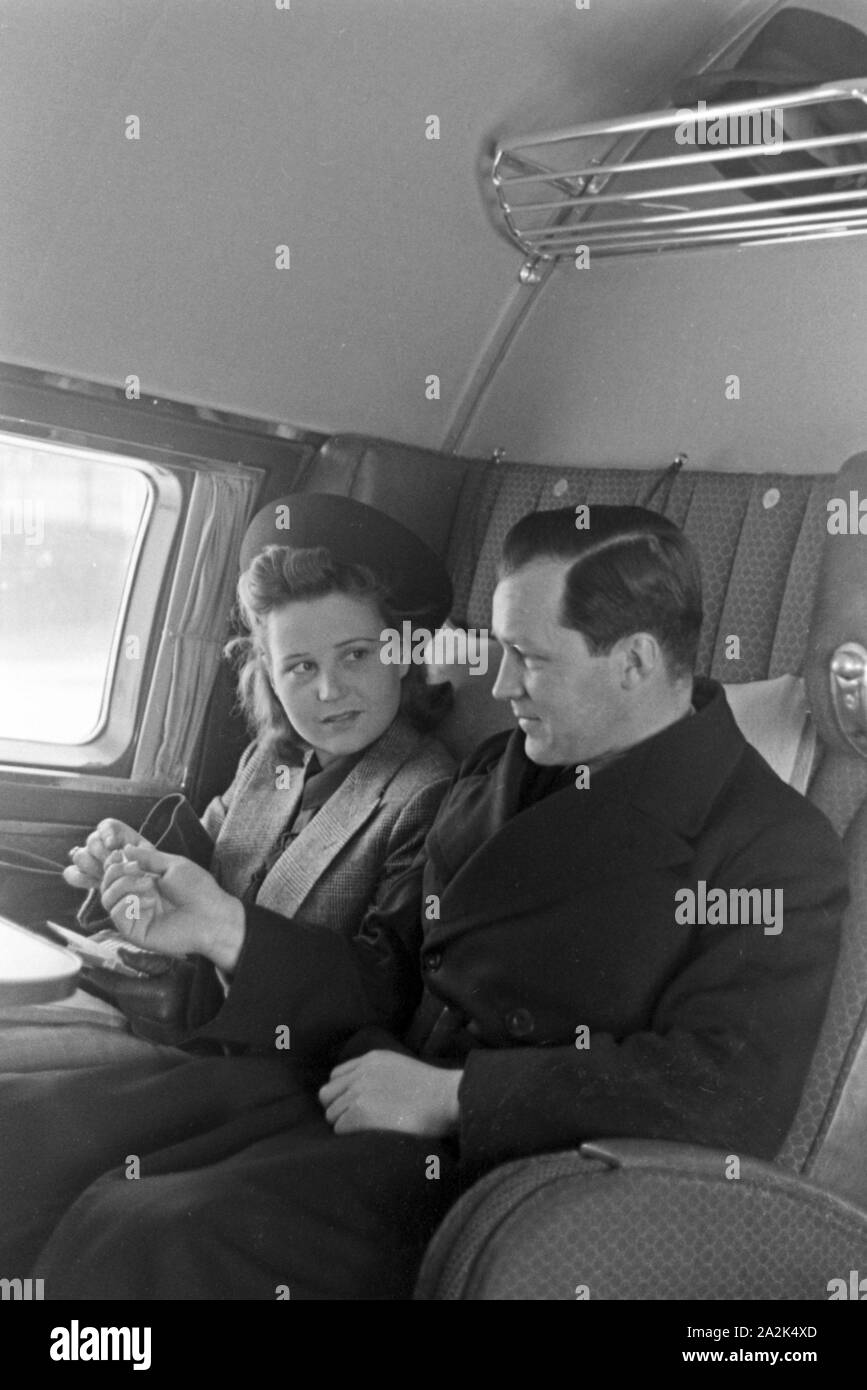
[305,127]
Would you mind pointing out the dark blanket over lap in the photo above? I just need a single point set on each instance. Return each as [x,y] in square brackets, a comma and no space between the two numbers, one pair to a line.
[243,1192]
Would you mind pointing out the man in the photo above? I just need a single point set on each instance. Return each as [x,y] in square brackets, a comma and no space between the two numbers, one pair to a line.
[566,993]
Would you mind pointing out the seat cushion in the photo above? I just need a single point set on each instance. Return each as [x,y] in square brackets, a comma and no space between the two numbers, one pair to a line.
[773,717]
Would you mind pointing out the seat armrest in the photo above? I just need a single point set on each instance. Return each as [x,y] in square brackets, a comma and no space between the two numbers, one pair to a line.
[644,1219]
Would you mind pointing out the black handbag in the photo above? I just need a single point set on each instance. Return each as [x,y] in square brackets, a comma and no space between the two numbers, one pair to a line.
[168,1002]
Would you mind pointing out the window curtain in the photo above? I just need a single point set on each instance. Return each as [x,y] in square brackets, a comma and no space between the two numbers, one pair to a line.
[196,626]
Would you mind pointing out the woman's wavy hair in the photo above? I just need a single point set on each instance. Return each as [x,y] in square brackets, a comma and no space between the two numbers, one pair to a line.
[280,575]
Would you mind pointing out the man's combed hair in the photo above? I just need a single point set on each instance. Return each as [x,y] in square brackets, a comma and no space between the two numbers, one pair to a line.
[633,571]
[281,575]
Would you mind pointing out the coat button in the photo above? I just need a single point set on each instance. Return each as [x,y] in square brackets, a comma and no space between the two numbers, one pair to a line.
[434,960]
[520,1023]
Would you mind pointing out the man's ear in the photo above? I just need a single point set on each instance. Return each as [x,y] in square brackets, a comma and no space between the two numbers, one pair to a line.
[640,655]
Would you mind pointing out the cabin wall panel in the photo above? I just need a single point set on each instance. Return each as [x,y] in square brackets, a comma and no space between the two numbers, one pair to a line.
[627,363]
[303,126]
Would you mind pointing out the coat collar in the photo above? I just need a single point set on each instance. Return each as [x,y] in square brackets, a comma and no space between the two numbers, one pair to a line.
[676,776]
[308,856]
[641,810]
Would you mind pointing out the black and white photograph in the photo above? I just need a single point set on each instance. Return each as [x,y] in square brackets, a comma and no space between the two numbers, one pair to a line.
[433,669]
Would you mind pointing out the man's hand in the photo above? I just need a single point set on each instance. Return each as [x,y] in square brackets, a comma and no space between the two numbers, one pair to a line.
[88,861]
[166,903]
[385,1090]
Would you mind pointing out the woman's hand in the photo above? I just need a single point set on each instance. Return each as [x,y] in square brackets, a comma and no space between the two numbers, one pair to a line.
[88,862]
[164,902]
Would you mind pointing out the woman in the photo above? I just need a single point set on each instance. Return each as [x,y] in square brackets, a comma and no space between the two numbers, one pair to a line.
[331,803]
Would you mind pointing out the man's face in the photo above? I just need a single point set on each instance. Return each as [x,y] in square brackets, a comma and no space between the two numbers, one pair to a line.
[569,704]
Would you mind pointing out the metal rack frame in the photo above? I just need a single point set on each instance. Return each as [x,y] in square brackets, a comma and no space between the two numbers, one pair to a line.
[661,217]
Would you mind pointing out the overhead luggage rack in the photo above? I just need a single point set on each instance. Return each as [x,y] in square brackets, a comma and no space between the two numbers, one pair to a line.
[736,173]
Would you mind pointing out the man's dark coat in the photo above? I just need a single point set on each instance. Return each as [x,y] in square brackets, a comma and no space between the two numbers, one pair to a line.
[546,924]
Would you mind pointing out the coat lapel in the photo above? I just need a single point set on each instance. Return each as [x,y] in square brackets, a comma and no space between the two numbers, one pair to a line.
[257,817]
[558,847]
[641,812]
[308,856]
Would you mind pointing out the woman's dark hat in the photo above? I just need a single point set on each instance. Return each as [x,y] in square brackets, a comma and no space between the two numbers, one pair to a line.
[356,534]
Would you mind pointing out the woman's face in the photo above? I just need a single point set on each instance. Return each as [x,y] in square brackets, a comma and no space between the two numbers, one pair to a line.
[324,659]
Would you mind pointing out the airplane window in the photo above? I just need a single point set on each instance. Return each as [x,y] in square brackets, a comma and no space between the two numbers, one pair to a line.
[69,530]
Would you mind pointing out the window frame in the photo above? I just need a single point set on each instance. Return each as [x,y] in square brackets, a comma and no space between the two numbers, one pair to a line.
[170,442]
